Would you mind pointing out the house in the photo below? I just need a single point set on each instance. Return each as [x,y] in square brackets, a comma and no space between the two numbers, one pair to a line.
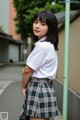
[61,16]
[74,54]
[10,49]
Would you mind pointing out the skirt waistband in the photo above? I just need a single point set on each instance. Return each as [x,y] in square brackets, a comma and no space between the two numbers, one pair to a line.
[41,80]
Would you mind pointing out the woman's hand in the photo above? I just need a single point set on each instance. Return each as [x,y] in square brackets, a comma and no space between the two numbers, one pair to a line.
[24,91]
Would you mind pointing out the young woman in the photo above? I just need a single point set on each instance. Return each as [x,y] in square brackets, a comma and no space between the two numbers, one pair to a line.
[41,67]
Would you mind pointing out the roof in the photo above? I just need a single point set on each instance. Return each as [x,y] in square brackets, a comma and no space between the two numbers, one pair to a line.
[9,37]
[61,16]
[72,18]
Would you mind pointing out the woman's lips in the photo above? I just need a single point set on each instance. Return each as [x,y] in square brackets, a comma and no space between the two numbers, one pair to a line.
[36,31]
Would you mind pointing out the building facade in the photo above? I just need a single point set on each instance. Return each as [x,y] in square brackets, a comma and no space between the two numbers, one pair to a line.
[7,14]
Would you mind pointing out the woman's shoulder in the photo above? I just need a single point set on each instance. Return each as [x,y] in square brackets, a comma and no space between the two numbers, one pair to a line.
[47,45]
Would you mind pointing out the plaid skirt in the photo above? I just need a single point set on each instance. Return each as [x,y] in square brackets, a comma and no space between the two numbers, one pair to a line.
[40,99]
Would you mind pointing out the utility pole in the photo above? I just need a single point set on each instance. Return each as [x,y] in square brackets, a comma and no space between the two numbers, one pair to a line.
[66,57]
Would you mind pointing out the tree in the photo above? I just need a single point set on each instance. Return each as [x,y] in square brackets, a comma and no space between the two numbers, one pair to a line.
[54,8]
[26,9]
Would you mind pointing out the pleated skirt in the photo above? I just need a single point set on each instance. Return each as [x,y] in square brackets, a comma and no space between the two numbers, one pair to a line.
[41,99]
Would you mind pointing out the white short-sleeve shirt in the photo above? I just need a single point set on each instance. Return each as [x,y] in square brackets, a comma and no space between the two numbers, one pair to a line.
[43,60]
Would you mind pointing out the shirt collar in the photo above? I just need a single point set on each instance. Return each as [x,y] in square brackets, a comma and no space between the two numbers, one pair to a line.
[42,39]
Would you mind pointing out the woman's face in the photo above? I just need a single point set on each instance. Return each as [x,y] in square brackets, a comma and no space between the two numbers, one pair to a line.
[40,28]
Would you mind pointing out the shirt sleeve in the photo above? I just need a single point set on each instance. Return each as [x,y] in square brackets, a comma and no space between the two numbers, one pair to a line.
[36,57]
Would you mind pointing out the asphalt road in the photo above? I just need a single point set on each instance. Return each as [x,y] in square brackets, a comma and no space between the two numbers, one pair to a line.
[11,72]
[11,99]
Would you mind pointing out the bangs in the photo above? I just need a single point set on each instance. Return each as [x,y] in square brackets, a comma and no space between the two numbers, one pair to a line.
[42,17]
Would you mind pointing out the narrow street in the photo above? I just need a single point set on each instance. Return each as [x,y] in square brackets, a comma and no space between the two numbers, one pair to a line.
[11,72]
[11,98]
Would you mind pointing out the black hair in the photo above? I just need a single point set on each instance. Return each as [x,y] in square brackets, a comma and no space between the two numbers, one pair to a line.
[51,21]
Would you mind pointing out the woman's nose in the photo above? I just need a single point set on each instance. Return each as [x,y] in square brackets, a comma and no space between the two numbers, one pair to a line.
[38,25]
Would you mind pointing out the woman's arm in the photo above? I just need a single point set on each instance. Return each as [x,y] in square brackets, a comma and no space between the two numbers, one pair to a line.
[26,74]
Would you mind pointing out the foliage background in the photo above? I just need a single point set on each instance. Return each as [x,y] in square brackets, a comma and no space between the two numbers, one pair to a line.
[26,9]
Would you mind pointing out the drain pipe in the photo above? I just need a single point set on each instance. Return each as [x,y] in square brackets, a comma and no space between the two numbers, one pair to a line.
[66,57]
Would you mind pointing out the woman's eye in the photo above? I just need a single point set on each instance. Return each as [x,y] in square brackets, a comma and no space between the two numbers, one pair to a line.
[42,23]
[35,21]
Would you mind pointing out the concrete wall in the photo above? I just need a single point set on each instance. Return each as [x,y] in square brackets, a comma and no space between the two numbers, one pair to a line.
[4,15]
[73,101]
[74,56]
